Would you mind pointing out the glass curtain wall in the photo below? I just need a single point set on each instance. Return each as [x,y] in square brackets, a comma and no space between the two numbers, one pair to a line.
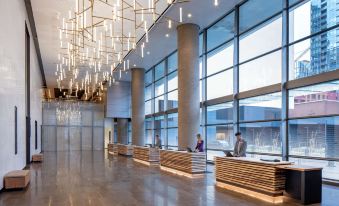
[161,102]
[270,70]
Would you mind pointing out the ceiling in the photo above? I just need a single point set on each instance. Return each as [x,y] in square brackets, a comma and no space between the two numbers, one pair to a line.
[48,17]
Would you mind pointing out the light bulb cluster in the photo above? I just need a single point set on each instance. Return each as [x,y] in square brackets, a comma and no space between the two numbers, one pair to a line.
[97,35]
[66,111]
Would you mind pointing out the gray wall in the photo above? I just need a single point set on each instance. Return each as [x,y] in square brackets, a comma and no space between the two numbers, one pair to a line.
[86,133]
[118,100]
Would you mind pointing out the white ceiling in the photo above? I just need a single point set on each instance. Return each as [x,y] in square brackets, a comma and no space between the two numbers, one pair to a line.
[48,15]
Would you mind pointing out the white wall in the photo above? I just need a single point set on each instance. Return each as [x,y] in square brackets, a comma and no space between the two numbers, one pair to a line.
[12,86]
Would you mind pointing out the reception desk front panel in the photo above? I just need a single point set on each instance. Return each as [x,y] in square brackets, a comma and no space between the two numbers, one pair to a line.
[126,150]
[264,179]
[146,154]
[187,162]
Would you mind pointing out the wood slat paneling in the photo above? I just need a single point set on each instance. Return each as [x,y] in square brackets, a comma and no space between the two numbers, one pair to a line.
[251,174]
[192,163]
[125,149]
[146,154]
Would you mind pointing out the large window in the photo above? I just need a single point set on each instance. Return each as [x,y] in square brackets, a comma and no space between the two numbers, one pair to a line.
[172,81]
[315,100]
[260,72]
[161,95]
[314,137]
[310,17]
[148,92]
[172,131]
[159,70]
[262,137]
[220,32]
[220,59]
[148,77]
[261,39]
[149,131]
[220,137]
[159,87]
[271,76]
[159,128]
[172,62]
[220,84]
[314,55]
[256,11]
[265,107]
[148,107]
[220,113]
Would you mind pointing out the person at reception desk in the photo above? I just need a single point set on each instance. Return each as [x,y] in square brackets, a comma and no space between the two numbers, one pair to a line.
[240,146]
[157,142]
[200,144]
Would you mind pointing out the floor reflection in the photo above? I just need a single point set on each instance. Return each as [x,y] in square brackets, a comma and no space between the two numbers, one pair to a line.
[96,178]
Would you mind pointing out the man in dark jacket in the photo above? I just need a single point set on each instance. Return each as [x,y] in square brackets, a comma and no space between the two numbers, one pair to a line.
[240,146]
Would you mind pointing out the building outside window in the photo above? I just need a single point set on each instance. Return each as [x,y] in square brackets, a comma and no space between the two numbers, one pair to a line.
[254,80]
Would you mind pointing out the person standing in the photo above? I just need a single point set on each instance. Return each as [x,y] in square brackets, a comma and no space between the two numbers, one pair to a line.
[200,144]
[158,142]
[240,146]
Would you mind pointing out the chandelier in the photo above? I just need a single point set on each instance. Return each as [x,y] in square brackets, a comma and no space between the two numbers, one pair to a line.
[68,110]
[97,35]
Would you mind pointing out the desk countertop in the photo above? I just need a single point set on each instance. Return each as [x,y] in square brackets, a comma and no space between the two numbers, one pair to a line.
[254,160]
[299,167]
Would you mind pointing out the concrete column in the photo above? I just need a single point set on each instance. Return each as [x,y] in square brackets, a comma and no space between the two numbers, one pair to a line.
[122,130]
[138,106]
[188,85]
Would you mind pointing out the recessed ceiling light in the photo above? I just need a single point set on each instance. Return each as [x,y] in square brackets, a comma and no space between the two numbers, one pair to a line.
[148,52]
[189,15]
[167,35]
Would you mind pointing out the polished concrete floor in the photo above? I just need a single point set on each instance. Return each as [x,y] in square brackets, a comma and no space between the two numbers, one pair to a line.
[95,178]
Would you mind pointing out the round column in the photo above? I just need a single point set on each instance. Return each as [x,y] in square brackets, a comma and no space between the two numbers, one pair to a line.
[138,106]
[122,130]
[188,85]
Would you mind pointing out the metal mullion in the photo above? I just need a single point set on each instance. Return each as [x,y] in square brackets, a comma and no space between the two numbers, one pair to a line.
[314,34]
[219,100]
[165,84]
[313,80]
[218,72]
[258,121]
[165,102]
[217,47]
[284,80]
[259,56]
[313,117]
[219,19]
[203,117]
[219,124]
[296,3]
[236,71]
[260,91]
[171,72]
[172,90]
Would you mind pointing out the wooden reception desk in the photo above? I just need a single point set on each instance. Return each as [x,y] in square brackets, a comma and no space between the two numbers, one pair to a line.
[146,155]
[260,179]
[189,164]
[303,183]
[112,148]
[126,150]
